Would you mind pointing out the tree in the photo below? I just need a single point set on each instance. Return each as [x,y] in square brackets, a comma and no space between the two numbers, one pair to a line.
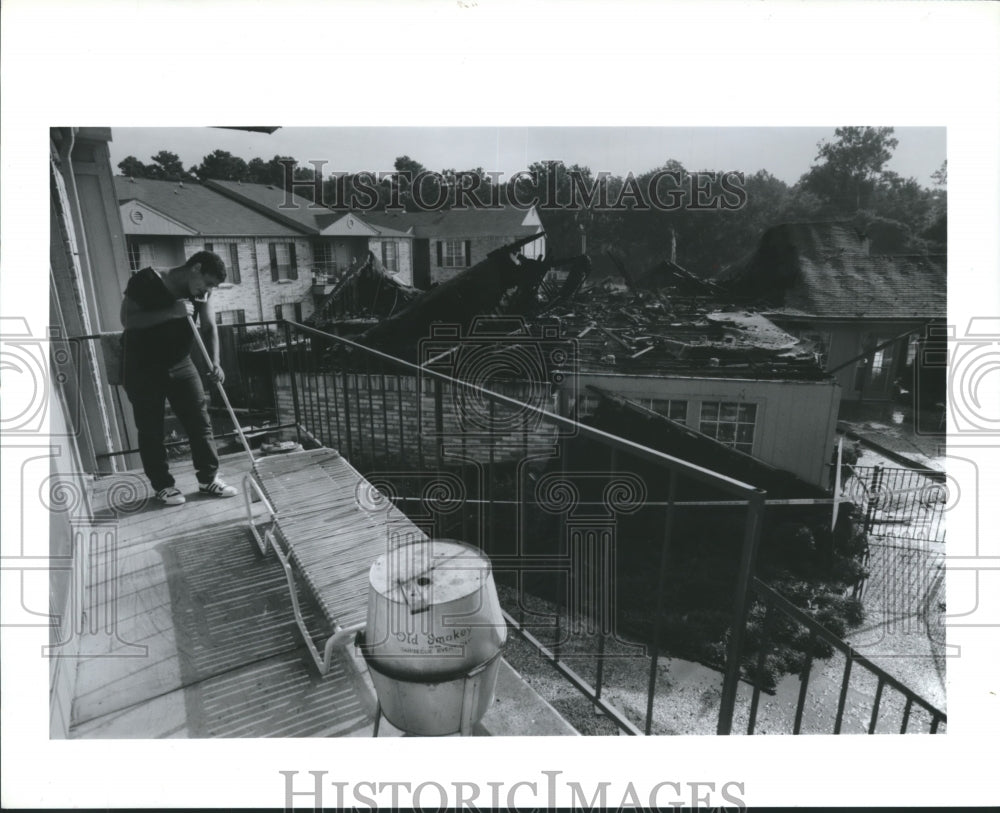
[167,166]
[278,171]
[132,167]
[852,166]
[222,166]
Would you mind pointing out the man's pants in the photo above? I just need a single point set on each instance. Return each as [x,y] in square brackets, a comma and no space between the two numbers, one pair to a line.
[149,390]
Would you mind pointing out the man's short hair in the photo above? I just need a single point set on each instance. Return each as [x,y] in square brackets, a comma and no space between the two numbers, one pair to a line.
[211,264]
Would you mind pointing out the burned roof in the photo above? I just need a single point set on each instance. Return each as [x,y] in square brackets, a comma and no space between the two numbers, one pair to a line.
[368,291]
[826,270]
[662,333]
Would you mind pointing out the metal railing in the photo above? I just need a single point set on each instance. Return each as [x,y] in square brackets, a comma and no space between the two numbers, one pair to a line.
[777,606]
[899,503]
[252,354]
[410,429]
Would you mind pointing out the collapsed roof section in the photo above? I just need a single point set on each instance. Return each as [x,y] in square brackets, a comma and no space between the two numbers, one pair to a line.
[661,333]
[631,331]
[505,283]
[366,292]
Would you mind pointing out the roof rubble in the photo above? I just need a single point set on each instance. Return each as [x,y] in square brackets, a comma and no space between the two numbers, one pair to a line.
[616,328]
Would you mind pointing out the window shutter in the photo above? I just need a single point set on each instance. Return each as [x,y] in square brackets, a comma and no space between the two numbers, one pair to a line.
[234,264]
[277,312]
[468,253]
[274,261]
[241,317]
[440,258]
[298,311]
[293,269]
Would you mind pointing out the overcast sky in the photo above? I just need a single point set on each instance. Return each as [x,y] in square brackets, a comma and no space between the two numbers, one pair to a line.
[785,152]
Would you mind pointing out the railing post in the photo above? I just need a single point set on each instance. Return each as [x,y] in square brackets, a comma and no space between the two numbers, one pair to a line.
[291,376]
[741,607]
[872,498]
[668,526]
[347,416]
[765,644]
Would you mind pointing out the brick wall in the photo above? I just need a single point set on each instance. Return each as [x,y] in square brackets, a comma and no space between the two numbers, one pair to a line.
[479,247]
[255,270]
[374,418]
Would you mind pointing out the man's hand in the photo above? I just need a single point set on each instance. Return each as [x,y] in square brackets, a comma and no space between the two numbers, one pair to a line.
[217,375]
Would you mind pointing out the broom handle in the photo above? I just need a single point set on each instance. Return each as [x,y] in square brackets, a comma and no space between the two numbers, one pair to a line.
[222,391]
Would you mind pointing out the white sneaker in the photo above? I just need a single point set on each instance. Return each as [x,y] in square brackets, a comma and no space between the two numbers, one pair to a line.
[170,496]
[217,488]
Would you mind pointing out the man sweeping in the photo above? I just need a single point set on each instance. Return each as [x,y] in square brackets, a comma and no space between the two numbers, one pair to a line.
[158,367]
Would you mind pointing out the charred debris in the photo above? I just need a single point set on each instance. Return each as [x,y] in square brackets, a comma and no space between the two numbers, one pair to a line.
[658,320]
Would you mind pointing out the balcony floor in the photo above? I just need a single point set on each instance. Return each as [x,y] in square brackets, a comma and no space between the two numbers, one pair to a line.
[190,634]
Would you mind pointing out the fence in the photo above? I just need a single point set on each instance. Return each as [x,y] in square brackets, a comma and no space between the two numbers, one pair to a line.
[903,504]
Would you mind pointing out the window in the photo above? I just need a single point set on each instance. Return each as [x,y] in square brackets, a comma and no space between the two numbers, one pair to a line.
[231,257]
[233,317]
[454,253]
[390,256]
[676,410]
[291,311]
[283,264]
[873,372]
[140,255]
[729,422]
[326,265]
[133,255]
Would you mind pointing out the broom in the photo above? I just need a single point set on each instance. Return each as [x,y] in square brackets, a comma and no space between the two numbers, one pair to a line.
[222,391]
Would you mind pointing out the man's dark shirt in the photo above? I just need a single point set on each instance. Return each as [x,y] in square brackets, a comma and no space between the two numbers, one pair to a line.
[159,346]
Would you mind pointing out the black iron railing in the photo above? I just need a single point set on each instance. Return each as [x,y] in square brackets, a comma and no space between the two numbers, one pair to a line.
[898,503]
[428,438]
[776,606]
[252,354]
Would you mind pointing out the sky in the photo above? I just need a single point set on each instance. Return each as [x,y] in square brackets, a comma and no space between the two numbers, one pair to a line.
[785,152]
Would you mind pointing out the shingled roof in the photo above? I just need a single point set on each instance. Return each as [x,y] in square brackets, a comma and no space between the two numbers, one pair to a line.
[300,213]
[826,270]
[200,208]
[507,222]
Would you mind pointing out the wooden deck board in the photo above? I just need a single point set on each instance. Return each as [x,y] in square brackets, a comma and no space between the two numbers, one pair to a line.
[210,606]
[222,656]
[279,697]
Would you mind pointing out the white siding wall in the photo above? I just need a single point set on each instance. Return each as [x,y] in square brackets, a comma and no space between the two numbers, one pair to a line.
[796,420]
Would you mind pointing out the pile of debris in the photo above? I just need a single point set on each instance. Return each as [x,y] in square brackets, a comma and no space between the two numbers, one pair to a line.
[367,292]
[643,331]
[663,321]
[506,283]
